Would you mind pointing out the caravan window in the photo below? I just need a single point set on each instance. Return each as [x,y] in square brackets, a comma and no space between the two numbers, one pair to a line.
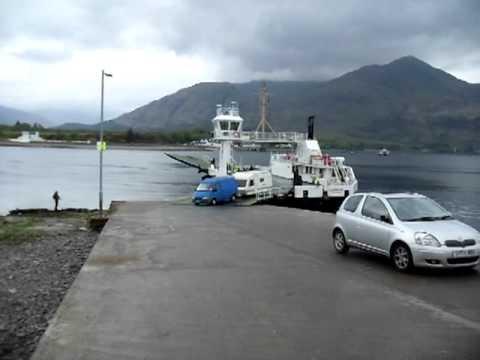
[261,179]
[251,183]
[241,183]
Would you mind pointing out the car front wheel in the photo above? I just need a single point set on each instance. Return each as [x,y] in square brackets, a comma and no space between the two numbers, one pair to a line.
[339,242]
[214,202]
[402,258]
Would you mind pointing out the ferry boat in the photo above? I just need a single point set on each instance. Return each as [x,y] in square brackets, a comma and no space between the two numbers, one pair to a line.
[311,174]
[314,174]
[383,152]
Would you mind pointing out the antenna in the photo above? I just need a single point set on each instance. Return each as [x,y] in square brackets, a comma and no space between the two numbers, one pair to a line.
[264,103]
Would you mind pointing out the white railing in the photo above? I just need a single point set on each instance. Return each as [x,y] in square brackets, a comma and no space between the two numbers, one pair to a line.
[266,194]
[231,109]
[283,157]
[286,136]
[257,136]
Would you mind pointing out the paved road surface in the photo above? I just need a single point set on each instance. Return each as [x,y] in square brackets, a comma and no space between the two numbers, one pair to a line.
[170,281]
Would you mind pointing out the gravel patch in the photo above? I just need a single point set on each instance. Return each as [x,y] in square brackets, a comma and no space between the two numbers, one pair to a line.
[34,277]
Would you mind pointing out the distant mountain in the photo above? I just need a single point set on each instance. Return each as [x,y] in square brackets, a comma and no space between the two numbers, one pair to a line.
[75,126]
[9,116]
[58,115]
[405,101]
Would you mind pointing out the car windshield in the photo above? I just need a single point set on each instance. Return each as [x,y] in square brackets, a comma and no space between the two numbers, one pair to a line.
[418,209]
[205,187]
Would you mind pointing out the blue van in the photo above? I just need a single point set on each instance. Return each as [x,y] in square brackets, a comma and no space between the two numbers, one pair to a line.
[215,190]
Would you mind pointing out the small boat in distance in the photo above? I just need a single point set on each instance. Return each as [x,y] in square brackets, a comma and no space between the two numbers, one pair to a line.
[384,152]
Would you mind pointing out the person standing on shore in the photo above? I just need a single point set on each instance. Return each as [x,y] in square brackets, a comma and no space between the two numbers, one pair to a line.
[56,198]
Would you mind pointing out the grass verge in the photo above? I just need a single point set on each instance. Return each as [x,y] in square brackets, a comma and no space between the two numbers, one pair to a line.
[19,229]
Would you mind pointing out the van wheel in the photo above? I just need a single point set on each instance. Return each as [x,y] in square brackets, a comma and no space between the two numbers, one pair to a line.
[213,202]
[339,242]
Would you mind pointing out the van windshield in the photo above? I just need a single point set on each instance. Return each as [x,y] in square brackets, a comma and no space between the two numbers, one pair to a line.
[205,187]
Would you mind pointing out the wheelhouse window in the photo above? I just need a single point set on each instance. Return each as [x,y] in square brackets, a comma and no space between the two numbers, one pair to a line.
[352,203]
[224,125]
[234,125]
[374,208]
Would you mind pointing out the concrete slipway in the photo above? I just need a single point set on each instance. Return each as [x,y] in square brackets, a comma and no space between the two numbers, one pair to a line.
[170,281]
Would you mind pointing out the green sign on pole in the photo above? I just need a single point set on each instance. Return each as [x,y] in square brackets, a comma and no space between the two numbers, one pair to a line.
[101,145]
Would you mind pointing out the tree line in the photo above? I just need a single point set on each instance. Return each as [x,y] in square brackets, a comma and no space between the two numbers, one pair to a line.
[128,136]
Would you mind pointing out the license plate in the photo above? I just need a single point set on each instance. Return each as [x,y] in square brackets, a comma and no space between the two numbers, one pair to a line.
[463,253]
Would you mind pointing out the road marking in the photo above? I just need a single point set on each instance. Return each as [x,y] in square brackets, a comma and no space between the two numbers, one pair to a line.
[435,310]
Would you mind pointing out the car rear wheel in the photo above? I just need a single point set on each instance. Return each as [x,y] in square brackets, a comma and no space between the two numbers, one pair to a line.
[402,258]
[234,198]
[213,202]
[339,242]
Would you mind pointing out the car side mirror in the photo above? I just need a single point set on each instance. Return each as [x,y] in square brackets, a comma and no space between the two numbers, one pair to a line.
[386,218]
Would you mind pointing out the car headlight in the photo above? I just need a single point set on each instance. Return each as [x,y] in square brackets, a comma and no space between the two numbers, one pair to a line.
[426,239]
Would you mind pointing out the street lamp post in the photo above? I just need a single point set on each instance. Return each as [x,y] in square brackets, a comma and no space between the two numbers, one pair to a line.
[101,149]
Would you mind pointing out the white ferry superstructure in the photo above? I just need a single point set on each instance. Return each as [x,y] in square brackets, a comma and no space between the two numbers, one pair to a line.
[311,173]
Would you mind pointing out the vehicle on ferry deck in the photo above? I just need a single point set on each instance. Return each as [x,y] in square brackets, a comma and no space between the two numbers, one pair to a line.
[252,181]
[411,229]
[215,190]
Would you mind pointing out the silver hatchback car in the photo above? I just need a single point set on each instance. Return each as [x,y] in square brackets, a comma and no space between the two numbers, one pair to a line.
[410,229]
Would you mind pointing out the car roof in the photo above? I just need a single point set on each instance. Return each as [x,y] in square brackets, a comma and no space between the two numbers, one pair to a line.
[392,195]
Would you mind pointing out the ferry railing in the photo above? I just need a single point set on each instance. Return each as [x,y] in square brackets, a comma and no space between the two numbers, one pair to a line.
[263,195]
[231,109]
[266,194]
[284,157]
[258,136]
[285,136]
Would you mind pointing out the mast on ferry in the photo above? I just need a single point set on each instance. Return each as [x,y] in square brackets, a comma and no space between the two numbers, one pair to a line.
[264,103]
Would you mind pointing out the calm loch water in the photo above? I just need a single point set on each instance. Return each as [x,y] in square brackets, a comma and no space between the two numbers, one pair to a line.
[29,176]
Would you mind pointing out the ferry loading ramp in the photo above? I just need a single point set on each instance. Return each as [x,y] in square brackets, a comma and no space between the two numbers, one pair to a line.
[171,281]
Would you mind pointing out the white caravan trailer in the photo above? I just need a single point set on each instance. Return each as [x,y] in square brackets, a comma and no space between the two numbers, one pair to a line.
[253,181]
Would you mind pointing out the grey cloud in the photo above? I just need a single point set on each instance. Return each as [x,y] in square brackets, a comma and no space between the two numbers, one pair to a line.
[302,38]
[324,38]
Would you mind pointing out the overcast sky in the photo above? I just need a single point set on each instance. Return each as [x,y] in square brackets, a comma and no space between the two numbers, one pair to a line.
[52,52]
